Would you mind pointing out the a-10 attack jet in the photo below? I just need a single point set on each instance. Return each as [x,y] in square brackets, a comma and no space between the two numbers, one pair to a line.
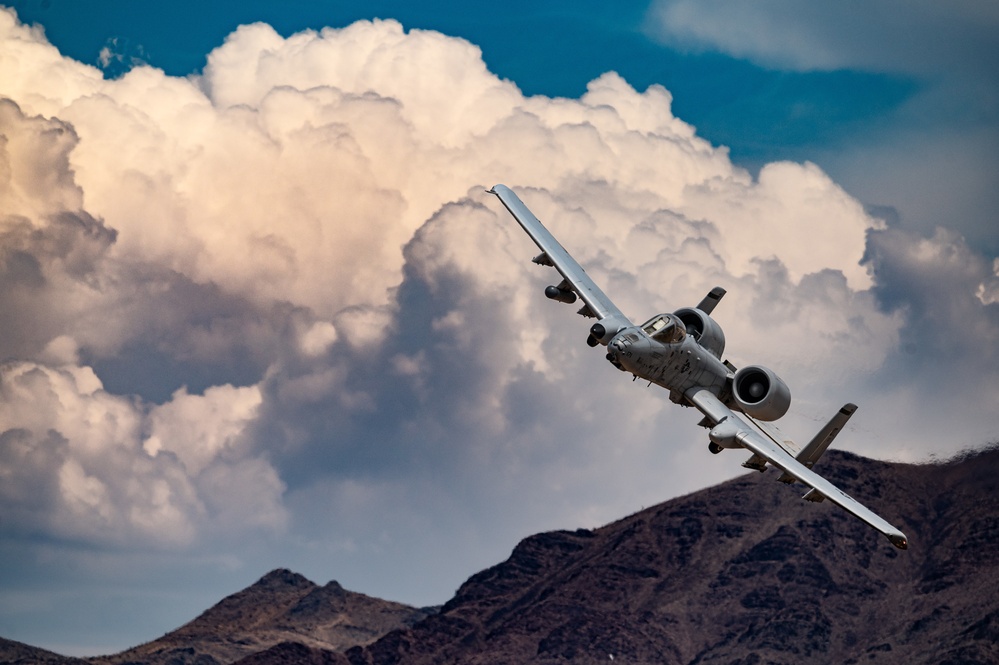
[682,352]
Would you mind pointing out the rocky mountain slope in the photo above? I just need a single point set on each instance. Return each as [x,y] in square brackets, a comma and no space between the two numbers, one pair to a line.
[742,573]
[281,607]
[18,653]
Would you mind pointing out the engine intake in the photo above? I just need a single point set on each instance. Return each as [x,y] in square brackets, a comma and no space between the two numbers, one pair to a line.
[760,393]
[704,329]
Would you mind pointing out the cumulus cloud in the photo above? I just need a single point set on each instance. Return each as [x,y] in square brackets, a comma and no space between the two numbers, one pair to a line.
[82,463]
[78,465]
[50,247]
[943,380]
[275,296]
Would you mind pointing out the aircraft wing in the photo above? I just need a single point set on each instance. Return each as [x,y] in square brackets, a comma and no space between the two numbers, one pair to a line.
[595,301]
[727,425]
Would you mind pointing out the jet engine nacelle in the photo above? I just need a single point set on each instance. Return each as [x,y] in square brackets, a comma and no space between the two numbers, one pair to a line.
[704,329]
[760,393]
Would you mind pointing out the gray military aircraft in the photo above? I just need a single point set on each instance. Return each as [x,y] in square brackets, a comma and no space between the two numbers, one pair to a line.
[682,352]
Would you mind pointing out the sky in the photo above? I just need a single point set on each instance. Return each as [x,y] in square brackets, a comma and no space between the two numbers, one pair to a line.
[259,311]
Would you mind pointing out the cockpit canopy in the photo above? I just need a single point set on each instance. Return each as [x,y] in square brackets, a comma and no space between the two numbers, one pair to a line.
[665,329]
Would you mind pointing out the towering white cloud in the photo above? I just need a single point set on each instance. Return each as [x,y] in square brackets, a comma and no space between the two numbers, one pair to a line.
[276,297]
[75,466]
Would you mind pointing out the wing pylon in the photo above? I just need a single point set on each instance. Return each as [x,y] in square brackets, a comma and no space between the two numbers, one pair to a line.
[808,455]
[811,453]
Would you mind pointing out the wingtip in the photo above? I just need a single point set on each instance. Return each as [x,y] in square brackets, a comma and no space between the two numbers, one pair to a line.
[899,541]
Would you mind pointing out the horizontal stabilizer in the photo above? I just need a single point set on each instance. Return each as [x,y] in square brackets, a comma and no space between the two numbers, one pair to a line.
[707,304]
[811,453]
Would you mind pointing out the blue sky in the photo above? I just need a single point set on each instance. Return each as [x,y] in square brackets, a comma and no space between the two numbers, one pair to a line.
[262,314]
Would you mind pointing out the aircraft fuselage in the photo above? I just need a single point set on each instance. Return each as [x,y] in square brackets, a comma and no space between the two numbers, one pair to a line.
[676,366]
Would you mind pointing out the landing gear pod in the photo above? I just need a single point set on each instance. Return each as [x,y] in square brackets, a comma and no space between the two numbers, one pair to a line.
[604,330]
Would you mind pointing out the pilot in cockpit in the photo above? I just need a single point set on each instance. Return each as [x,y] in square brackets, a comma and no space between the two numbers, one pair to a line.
[666,329]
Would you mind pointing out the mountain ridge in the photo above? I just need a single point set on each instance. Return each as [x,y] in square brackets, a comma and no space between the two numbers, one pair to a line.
[282,607]
[741,573]
[744,572]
